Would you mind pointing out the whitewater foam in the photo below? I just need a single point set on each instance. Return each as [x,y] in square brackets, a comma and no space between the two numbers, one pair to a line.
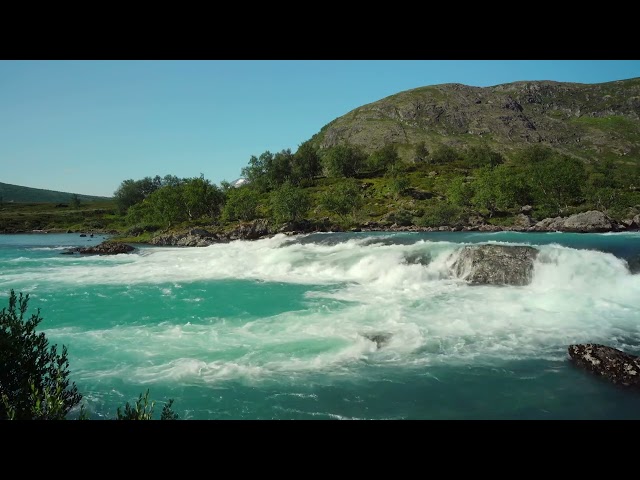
[354,287]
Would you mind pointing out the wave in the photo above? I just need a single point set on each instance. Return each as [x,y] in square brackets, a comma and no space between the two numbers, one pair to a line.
[356,289]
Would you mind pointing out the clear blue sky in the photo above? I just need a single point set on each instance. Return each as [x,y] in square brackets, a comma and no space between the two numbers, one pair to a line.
[84,126]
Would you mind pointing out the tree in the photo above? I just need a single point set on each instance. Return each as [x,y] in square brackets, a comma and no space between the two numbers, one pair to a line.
[242,204]
[342,198]
[268,171]
[558,181]
[34,377]
[289,203]
[343,160]
[460,192]
[131,192]
[440,214]
[200,197]
[384,158]
[444,154]
[305,165]
[483,156]
[167,205]
[500,188]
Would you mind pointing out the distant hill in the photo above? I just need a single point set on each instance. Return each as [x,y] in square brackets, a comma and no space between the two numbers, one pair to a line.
[587,121]
[19,194]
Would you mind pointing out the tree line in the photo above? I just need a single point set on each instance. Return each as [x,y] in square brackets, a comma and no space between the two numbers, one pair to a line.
[285,186]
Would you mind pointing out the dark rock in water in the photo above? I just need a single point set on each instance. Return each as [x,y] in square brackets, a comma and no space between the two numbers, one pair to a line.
[608,362]
[83,234]
[495,264]
[418,258]
[379,338]
[102,249]
[633,264]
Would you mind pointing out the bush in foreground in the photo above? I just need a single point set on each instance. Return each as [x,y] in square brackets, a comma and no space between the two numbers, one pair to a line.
[34,377]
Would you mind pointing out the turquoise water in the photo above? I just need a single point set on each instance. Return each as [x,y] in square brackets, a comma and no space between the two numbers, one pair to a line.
[276,328]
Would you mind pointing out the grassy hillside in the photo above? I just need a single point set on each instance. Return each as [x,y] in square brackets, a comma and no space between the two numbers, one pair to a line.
[18,194]
[88,217]
[587,121]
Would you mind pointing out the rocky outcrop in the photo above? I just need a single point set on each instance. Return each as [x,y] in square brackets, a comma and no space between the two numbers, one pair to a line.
[504,116]
[195,237]
[495,264]
[586,222]
[612,364]
[250,230]
[105,248]
[522,221]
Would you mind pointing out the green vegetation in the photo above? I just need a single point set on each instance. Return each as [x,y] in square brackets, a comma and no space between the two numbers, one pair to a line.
[34,377]
[342,199]
[18,194]
[53,217]
[430,156]
[289,203]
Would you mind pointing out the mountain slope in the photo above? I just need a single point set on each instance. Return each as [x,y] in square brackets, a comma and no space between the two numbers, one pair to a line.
[19,194]
[589,121]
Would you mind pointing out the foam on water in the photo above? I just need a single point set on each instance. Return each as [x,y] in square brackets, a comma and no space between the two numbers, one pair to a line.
[355,288]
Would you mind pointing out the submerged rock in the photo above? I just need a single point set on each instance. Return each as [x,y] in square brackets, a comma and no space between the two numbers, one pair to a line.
[379,338]
[608,362]
[495,264]
[418,258]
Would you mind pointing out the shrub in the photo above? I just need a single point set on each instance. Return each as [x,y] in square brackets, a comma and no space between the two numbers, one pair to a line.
[34,377]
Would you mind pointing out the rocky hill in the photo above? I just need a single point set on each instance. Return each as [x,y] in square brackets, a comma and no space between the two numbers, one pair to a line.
[588,121]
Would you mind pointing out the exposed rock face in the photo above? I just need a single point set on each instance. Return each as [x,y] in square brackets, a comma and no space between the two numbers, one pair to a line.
[592,221]
[196,237]
[495,264]
[613,364]
[199,237]
[102,249]
[251,230]
[514,114]
[522,221]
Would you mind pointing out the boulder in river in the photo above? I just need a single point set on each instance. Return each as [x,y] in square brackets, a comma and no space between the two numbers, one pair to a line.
[614,365]
[495,264]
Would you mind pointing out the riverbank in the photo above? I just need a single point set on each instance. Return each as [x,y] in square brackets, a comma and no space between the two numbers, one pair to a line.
[586,222]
